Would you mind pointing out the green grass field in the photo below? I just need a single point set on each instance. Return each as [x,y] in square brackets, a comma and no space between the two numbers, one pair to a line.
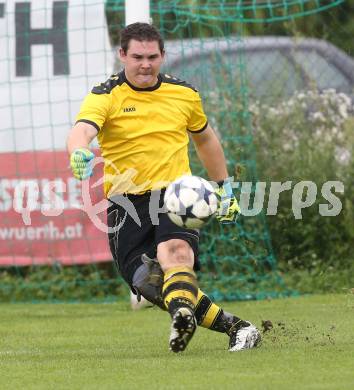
[107,346]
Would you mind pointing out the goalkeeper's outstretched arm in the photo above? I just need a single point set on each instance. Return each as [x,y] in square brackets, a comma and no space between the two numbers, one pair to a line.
[78,143]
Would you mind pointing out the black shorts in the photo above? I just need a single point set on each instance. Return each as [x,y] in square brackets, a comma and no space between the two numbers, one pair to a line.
[128,241]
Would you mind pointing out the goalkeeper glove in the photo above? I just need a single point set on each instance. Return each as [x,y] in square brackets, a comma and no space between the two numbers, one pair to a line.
[228,209]
[81,163]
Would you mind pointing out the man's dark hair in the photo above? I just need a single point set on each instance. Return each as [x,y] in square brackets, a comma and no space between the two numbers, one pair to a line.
[140,32]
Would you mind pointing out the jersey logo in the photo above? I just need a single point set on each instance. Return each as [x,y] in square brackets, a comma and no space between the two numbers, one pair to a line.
[129,109]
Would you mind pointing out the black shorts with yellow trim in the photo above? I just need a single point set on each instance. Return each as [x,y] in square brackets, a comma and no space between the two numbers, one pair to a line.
[128,241]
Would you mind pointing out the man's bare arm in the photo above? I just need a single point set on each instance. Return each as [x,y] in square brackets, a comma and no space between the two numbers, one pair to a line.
[80,136]
[211,154]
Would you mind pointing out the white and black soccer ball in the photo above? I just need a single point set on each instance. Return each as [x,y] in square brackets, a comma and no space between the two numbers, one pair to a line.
[190,201]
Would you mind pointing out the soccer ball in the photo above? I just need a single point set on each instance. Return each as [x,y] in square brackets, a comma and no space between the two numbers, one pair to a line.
[190,201]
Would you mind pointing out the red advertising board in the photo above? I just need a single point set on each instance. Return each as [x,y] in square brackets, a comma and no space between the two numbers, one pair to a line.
[43,219]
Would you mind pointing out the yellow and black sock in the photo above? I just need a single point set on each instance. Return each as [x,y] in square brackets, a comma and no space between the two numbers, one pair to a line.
[180,289]
[211,316]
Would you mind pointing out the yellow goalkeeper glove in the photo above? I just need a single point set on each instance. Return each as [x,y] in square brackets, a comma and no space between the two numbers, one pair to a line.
[229,208]
[81,163]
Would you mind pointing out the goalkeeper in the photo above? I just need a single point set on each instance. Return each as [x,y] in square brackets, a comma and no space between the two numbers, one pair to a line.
[142,119]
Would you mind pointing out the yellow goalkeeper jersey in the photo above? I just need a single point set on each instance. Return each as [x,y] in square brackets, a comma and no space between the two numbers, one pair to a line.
[143,132]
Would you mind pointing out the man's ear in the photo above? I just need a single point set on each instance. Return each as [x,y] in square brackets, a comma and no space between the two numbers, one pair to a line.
[122,55]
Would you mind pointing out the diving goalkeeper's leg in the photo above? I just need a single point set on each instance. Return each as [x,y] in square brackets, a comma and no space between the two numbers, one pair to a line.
[242,334]
[179,290]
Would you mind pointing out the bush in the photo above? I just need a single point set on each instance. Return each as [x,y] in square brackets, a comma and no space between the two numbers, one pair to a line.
[58,283]
[309,137]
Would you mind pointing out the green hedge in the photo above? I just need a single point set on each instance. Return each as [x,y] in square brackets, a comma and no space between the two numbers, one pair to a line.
[310,137]
[58,283]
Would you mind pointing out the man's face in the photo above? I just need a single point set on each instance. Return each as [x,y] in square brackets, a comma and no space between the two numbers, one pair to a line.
[142,62]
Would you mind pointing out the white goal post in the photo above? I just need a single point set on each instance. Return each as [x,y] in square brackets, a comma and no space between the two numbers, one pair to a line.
[137,11]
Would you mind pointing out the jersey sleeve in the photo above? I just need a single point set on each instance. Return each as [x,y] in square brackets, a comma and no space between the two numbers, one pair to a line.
[198,120]
[95,109]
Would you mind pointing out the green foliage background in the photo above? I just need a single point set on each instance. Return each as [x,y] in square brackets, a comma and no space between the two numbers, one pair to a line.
[321,247]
